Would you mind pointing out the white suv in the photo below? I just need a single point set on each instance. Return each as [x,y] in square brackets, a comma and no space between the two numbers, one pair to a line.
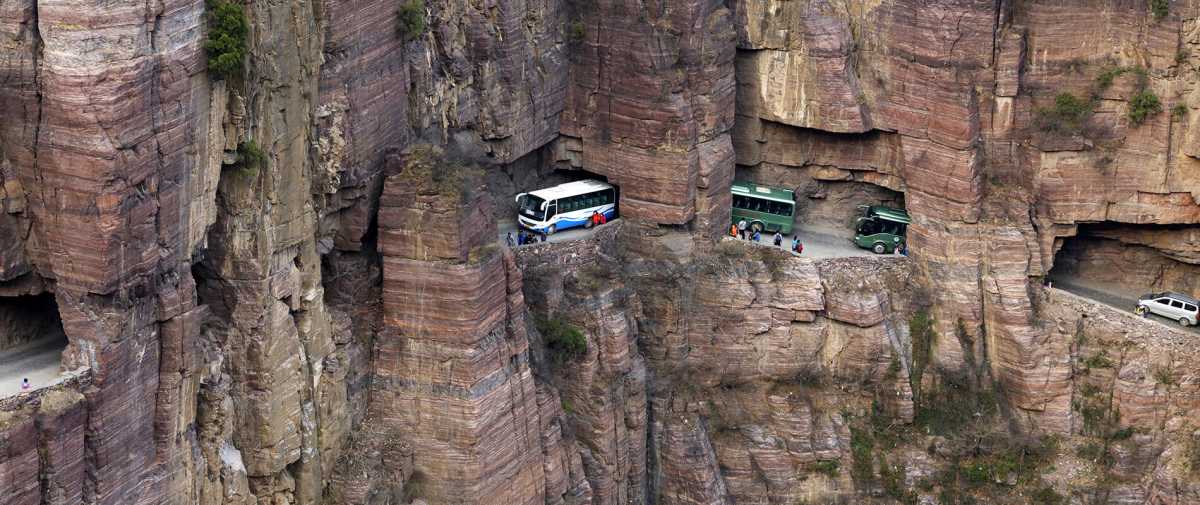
[1173,306]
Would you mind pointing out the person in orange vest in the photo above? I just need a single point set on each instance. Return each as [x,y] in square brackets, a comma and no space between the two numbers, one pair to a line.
[733,231]
[603,220]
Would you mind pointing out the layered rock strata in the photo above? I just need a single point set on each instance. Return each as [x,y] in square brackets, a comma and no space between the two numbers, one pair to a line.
[451,377]
[650,106]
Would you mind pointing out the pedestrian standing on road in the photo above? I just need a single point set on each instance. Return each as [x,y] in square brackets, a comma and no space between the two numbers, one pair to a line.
[778,239]
[508,240]
[733,231]
[521,237]
[797,247]
[595,218]
[25,383]
[757,237]
[603,220]
[742,229]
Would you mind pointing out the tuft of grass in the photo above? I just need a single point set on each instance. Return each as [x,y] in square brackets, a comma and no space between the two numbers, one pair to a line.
[1143,105]
[1047,496]
[828,467]
[1164,375]
[410,19]
[1159,8]
[861,447]
[1179,111]
[576,32]
[1098,360]
[227,32]
[892,478]
[1106,76]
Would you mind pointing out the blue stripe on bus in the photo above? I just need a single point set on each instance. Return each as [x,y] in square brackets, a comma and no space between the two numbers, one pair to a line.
[566,224]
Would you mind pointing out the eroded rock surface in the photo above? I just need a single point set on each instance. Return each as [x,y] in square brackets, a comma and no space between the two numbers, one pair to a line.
[332,325]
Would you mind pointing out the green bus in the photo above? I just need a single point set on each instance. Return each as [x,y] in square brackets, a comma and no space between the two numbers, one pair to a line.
[881,229]
[763,208]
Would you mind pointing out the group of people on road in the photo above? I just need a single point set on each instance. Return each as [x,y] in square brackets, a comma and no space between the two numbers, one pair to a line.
[742,231]
[529,237]
[524,237]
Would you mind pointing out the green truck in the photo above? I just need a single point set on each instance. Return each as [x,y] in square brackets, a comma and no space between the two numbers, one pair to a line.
[763,208]
[881,229]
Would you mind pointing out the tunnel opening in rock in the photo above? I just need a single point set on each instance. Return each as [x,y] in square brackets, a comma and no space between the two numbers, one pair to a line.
[534,171]
[31,342]
[1121,262]
[823,204]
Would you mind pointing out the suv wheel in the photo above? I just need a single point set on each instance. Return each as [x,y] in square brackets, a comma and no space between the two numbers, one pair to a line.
[879,248]
[1183,321]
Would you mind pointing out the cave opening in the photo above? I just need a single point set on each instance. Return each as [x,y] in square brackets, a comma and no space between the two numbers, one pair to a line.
[32,341]
[1116,263]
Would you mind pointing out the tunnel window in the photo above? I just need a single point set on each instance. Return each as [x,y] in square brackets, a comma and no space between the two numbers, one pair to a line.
[1118,264]
[31,342]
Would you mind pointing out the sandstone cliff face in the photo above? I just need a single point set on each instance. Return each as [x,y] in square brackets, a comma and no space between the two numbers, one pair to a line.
[304,333]
[650,106]
[943,102]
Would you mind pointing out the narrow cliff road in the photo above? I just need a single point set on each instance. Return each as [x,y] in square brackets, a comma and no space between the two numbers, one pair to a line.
[38,361]
[506,227]
[820,243]
[1121,301]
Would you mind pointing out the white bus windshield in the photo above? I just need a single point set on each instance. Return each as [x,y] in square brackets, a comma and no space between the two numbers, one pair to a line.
[531,207]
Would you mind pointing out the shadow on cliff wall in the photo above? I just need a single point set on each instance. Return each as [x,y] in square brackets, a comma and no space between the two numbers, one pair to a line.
[1130,260]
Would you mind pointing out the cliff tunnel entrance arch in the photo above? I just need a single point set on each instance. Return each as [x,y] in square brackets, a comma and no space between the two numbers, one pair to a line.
[1116,263]
[31,342]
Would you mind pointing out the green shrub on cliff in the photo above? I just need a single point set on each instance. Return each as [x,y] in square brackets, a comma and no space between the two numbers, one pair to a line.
[1159,8]
[226,44]
[1143,105]
[1066,115]
[576,32]
[410,19]
[252,157]
[564,340]
[921,332]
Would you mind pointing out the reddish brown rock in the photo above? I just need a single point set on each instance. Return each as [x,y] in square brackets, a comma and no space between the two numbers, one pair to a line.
[455,337]
[641,114]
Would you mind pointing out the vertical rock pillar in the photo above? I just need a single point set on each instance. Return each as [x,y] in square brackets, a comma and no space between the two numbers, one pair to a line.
[452,379]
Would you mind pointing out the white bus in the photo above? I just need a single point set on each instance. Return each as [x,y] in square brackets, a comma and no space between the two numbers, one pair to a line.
[566,206]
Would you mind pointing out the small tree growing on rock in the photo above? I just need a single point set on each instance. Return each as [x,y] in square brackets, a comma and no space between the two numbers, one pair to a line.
[1143,105]
[410,19]
[226,44]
